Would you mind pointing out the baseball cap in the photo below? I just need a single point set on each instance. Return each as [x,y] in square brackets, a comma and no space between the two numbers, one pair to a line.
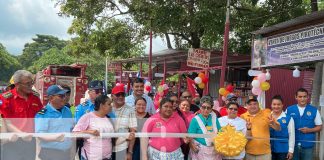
[118,89]
[231,96]
[95,84]
[251,99]
[55,90]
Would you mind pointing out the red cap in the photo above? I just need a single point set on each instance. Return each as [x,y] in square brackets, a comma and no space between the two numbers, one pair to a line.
[118,89]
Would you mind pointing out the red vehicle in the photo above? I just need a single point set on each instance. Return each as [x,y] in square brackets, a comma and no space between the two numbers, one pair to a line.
[72,76]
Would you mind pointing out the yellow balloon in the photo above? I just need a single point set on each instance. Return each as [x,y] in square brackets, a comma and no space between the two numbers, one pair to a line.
[265,86]
[229,142]
[201,85]
[221,91]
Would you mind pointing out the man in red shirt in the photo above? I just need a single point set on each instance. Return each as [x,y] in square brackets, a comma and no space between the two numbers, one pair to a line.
[231,98]
[18,107]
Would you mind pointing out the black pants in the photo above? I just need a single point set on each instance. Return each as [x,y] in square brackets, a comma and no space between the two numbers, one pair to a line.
[79,145]
[55,154]
[278,156]
[19,150]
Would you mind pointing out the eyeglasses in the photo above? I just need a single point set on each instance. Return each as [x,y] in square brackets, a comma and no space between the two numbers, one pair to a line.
[232,100]
[232,109]
[97,91]
[187,97]
[206,108]
[120,94]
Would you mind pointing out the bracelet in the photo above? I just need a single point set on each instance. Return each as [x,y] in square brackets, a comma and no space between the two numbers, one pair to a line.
[130,152]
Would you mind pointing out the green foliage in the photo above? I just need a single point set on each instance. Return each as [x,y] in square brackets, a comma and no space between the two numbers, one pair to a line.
[33,51]
[51,56]
[9,64]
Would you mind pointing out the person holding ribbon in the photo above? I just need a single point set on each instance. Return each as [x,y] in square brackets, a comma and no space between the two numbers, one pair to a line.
[282,144]
[258,123]
[205,122]
[232,119]
[165,121]
[95,123]
[307,122]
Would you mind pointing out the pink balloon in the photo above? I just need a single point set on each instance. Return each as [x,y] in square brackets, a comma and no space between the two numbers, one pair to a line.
[256,91]
[262,77]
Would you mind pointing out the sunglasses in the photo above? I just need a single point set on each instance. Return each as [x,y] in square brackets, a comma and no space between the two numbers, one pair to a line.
[97,91]
[206,108]
[120,94]
[232,109]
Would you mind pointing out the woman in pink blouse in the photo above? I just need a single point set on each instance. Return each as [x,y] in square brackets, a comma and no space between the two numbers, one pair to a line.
[185,110]
[95,123]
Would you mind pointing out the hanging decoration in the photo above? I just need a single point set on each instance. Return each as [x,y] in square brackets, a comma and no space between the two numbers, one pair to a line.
[147,87]
[201,80]
[260,84]
[225,91]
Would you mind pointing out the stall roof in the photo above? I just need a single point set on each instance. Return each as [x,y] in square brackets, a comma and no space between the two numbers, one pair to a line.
[293,22]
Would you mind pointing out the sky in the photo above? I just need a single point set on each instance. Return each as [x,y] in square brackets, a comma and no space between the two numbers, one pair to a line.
[21,20]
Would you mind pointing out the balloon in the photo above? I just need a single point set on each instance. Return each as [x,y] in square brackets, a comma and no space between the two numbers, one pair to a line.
[256,91]
[255,83]
[147,83]
[165,87]
[201,75]
[262,77]
[265,86]
[148,88]
[221,91]
[201,85]
[198,80]
[254,72]
[268,76]
[205,80]
[230,88]
[160,89]
[223,98]
[226,93]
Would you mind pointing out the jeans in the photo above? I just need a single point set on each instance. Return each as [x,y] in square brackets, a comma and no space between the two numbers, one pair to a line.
[279,156]
[303,153]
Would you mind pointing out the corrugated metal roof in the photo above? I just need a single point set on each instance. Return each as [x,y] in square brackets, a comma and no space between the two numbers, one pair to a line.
[297,21]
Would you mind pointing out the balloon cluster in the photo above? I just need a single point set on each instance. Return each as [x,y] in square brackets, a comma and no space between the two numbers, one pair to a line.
[225,91]
[201,80]
[147,87]
[162,90]
[260,83]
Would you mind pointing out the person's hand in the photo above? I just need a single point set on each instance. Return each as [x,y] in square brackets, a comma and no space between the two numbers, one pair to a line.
[248,124]
[27,137]
[290,155]
[304,130]
[94,132]
[194,147]
[186,140]
[271,120]
[13,138]
[129,156]
[131,136]
[60,138]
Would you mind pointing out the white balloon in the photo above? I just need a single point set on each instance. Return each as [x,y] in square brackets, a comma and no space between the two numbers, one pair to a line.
[268,76]
[254,72]
[255,83]
[165,87]
[198,80]
[147,83]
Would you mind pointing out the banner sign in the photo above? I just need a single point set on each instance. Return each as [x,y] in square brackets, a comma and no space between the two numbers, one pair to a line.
[198,58]
[297,46]
[113,67]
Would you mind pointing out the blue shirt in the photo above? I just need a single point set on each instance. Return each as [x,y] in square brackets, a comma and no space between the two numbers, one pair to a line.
[50,120]
[87,107]
[130,101]
[194,127]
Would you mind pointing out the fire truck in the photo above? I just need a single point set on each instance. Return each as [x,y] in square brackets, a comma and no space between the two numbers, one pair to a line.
[72,76]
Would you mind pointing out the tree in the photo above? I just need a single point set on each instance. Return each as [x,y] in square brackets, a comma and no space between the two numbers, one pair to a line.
[9,64]
[51,56]
[33,51]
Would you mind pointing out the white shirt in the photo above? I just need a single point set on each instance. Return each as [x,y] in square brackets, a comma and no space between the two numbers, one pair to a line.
[130,101]
[240,125]
[291,132]
[317,121]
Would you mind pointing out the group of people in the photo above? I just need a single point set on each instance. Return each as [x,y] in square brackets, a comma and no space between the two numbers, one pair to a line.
[272,134]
